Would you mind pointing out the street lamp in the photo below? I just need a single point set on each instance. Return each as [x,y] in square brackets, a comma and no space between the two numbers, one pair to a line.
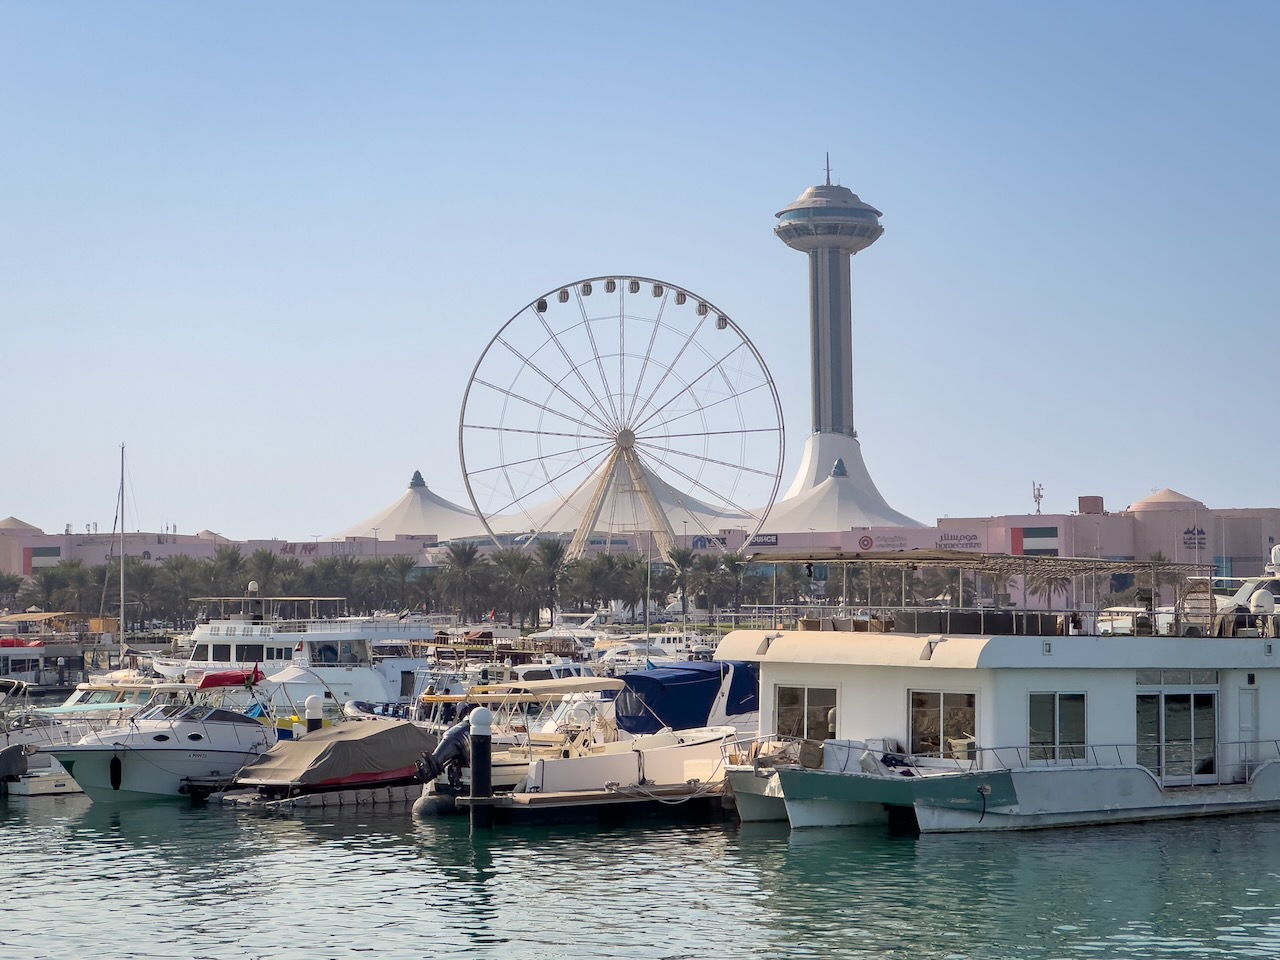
[375,543]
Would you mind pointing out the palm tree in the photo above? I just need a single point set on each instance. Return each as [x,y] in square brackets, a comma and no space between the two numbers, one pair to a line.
[10,584]
[401,569]
[261,567]
[375,583]
[226,572]
[291,576]
[142,585]
[463,581]
[80,590]
[1046,584]
[682,564]
[180,579]
[551,564]
[517,583]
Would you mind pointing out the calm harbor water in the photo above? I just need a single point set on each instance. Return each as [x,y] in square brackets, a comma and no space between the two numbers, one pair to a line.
[167,880]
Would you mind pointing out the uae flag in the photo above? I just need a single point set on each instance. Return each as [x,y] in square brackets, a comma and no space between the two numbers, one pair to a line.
[1034,541]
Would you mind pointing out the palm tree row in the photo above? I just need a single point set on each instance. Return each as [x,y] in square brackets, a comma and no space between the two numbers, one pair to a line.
[513,585]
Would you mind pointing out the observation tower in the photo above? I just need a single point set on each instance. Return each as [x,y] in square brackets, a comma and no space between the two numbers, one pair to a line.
[832,490]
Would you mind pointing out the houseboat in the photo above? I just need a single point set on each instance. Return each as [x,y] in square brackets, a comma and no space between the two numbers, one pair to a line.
[982,720]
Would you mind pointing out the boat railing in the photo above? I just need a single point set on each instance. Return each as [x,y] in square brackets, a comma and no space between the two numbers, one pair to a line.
[1170,763]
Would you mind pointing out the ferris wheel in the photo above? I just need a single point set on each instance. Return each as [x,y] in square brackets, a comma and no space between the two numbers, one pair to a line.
[623,410]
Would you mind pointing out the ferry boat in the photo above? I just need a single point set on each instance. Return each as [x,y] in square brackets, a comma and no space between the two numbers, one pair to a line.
[992,720]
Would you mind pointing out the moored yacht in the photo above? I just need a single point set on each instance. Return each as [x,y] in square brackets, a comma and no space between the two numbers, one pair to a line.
[372,658]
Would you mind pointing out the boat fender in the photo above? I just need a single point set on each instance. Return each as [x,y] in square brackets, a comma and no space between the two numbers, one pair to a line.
[117,770]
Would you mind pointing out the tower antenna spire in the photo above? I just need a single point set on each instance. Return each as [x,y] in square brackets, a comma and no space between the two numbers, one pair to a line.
[828,168]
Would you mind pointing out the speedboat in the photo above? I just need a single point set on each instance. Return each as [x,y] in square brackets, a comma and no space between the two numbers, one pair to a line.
[171,750]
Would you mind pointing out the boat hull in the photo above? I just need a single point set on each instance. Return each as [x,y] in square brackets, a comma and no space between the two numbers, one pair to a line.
[146,774]
[756,794]
[1023,799]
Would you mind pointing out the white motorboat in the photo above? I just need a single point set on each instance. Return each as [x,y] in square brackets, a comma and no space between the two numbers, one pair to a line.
[650,728]
[92,706]
[171,750]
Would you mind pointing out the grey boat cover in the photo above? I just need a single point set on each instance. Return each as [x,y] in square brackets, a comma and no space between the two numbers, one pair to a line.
[351,749]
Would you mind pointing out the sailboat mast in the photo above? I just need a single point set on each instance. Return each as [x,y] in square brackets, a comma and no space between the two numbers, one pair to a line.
[122,546]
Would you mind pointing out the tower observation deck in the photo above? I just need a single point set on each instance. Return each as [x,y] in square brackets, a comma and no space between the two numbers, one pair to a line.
[833,490]
[830,224]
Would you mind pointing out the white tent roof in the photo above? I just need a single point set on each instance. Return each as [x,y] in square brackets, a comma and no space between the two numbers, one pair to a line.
[623,509]
[844,498]
[418,512]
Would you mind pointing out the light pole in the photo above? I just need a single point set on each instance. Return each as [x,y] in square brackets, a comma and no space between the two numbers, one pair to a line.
[684,586]
[375,543]
[648,588]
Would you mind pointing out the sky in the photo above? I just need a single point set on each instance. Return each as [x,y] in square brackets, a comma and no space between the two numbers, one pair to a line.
[263,245]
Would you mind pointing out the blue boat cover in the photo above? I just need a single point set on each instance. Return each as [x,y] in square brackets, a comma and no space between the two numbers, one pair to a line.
[681,696]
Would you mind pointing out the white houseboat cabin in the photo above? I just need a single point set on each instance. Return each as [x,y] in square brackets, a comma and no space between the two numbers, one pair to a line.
[1047,724]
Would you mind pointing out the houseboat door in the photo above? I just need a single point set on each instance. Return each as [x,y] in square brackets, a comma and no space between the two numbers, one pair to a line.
[1248,734]
[1178,726]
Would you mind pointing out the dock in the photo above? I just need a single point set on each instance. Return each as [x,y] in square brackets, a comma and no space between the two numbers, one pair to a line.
[396,796]
[685,802]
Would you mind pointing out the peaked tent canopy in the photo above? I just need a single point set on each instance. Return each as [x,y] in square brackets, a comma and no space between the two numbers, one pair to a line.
[418,512]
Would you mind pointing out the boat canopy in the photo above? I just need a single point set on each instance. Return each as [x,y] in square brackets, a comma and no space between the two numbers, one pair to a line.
[545,689]
[682,695]
[350,749]
[232,678]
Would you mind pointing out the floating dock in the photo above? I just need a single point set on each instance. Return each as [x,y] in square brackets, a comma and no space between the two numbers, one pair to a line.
[688,803]
[397,796]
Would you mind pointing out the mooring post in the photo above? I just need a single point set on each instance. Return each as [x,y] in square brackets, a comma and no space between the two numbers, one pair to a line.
[481,768]
[314,709]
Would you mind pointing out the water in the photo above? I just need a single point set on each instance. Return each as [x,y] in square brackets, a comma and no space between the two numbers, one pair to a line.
[166,880]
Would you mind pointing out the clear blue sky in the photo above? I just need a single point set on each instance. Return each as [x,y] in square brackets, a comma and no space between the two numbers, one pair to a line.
[263,244]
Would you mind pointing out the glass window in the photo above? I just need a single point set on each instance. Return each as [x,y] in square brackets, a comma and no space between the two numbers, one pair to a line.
[805,712]
[1148,678]
[1056,726]
[250,653]
[222,653]
[938,718]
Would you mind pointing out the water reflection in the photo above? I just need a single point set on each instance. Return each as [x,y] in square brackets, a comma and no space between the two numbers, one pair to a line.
[168,880]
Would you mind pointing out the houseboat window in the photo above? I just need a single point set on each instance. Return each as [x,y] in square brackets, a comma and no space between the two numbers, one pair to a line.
[231,631]
[802,712]
[1056,726]
[938,718]
[214,631]
[1177,678]
[250,652]
[222,653]
[201,653]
